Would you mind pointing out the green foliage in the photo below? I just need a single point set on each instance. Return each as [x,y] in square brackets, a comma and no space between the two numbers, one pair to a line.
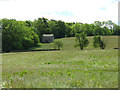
[81,40]
[12,34]
[97,42]
[58,44]
[61,29]
[102,44]
[97,28]
[17,36]
[58,28]
[76,28]
[116,29]
[53,27]
[69,29]
[41,27]
[27,43]
[0,35]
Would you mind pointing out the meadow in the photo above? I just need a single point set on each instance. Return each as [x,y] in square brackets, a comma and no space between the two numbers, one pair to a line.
[68,68]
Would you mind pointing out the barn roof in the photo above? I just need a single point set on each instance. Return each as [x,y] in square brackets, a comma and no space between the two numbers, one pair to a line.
[47,34]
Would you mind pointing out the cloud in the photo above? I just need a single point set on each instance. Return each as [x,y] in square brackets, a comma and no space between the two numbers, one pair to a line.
[65,13]
[3,0]
[67,10]
[103,8]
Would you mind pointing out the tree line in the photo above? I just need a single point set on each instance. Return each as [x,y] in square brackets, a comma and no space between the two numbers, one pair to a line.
[20,35]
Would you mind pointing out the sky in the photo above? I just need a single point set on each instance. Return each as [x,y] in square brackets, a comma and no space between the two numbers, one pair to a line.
[85,11]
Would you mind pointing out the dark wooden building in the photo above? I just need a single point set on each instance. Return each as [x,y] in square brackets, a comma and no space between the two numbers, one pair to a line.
[47,38]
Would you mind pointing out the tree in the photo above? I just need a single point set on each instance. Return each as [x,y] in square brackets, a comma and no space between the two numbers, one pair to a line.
[53,27]
[28,23]
[98,30]
[58,44]
[81,40]
[17,36]
[0,35]
[106,31]
[102,44]
[76,28]
[116,29]
[91,30]
[12,35]
[58,28]
[68,30]
[97,42]
[98,23]
[61,29]
[41,26]
[109,24]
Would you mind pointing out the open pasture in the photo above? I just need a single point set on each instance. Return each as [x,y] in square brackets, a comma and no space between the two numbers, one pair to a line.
[68,43]
[68,68]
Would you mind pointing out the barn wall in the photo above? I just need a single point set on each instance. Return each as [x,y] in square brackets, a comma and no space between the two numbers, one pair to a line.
[47,39]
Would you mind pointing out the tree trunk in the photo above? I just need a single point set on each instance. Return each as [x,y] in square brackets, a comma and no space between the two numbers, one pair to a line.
[58,48]
[81,48]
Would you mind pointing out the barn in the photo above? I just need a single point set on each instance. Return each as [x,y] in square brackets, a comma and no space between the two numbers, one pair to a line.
[47,38]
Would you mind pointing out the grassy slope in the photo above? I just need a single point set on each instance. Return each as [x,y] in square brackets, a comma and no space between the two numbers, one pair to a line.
[111,42]
[69,67]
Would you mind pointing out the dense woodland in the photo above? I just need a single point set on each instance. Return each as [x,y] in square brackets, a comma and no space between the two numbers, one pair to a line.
[21,35]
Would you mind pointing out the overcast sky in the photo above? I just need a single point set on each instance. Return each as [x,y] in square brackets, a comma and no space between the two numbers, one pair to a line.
[85,11]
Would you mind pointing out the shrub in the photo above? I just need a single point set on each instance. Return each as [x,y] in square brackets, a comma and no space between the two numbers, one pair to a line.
[27,43]
[102,44]
[97,42]
[58,44]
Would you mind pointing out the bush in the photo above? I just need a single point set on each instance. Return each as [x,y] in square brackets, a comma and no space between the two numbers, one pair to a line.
[97,42]
[102,44]
[36,39]
[58,44]
[27,43]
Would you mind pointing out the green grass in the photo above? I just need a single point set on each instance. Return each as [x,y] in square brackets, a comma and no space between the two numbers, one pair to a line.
[67,68]
[68,43]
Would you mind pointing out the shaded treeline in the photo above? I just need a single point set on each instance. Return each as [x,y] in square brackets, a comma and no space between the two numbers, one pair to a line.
[21,35]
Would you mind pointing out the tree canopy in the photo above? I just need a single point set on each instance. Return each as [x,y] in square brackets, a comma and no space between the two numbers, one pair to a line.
[17,36]
[26,34]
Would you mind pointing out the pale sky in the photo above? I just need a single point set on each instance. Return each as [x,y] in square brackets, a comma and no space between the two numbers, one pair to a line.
[85,11]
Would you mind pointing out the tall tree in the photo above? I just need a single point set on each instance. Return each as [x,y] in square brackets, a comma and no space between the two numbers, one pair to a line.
[53,27]
[76,28]
[16,35]
[116,29]
[61,29]
[68,30]
[40,27]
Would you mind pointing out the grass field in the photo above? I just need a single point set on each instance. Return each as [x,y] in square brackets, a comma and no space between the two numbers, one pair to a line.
[70,67]
[111,42]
